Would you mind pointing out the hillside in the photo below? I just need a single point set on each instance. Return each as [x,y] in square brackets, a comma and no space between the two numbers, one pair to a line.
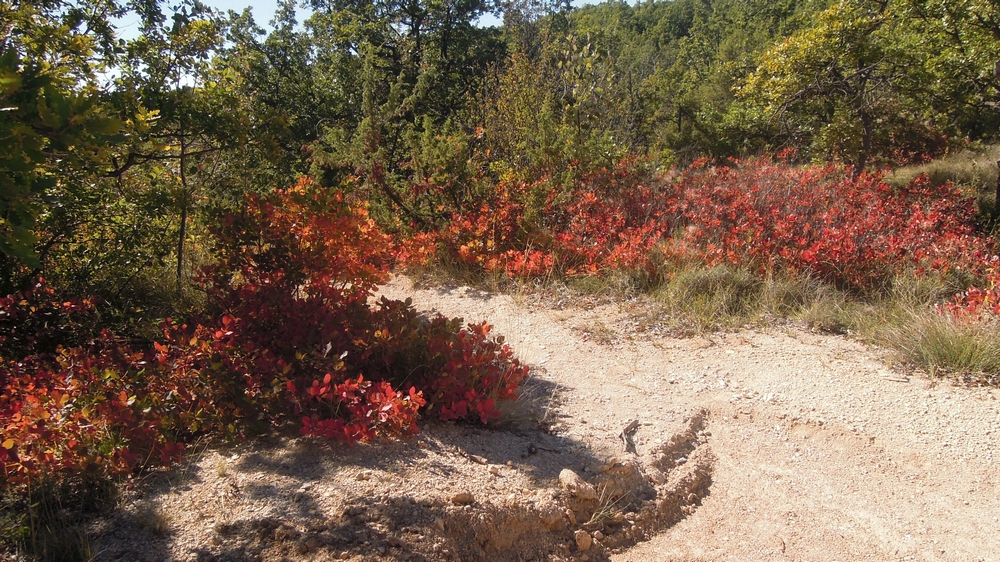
[711,227]
[777,444]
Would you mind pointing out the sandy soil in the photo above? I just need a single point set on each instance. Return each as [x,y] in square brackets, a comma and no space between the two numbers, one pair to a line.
[758,445]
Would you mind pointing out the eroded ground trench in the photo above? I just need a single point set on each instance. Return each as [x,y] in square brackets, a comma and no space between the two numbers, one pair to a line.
[454,493]
[758,445]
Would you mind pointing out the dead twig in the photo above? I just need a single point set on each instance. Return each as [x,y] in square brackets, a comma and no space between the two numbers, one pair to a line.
[626,436]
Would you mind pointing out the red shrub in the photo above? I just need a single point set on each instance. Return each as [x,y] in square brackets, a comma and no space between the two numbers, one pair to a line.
[609,220]
[71,410]
[606,220]
[975,303]
[854,232]
[39,321]
[288,334]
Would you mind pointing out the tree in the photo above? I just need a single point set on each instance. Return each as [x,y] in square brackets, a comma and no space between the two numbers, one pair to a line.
[285,96]
[184,107]
[848,87]
[963,52]
[395,64]
[53,128]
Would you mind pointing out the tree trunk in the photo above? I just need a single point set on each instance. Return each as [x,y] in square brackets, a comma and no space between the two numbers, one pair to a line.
[866,143]
[184,209]
[996,201]
[180,239]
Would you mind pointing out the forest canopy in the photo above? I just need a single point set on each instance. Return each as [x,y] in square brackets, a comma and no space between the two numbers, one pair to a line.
[116,150]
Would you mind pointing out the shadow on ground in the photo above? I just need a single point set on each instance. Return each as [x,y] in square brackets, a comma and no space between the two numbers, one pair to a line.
[454,492]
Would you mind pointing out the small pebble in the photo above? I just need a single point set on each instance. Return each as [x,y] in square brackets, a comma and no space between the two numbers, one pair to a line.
[463,498]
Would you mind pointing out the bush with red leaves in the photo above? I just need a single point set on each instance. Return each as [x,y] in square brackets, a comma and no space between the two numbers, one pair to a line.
[855,232]
[288,334]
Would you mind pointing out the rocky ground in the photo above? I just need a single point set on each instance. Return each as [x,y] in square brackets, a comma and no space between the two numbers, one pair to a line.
[629,445]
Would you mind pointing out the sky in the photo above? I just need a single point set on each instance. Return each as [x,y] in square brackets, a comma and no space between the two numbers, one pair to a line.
[263,10]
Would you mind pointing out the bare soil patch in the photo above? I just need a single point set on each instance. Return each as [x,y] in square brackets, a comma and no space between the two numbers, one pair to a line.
[777,445]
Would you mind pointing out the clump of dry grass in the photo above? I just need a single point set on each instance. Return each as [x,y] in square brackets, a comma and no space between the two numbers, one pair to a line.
[153,518]
[537,400]
[713,297]
[975,169]
[945,345]
[45,522]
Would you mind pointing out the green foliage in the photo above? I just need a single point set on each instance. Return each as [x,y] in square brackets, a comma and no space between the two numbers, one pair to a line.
[52,128]
[848,87]
[960,45]
[405,62]
[679,61]
[558,117]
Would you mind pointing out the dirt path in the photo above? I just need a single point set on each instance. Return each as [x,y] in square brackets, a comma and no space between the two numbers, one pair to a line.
[775,445]
[822,453]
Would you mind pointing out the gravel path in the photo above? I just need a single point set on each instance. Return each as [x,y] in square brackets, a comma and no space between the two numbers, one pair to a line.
[823,453]
[758,445]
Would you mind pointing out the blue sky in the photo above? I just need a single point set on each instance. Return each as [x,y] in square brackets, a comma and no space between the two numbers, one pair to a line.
[263,10]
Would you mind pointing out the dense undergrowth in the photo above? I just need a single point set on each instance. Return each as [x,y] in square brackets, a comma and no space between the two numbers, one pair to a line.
[853,232]
[288,333]
[289,329]
[721,245]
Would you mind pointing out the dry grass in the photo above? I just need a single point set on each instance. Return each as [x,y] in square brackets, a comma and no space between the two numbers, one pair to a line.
[689,299]
[976,169]
[153,518]
[45,522]
[708,299]
[536,404]
[942,345]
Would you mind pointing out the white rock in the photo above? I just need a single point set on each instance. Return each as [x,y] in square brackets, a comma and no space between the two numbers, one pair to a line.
[577,486]
[463,498]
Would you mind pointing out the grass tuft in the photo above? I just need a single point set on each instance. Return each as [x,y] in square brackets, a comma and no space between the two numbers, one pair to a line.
[828,311]
[46,522]
[943,345]
[713,298]
[153,518]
